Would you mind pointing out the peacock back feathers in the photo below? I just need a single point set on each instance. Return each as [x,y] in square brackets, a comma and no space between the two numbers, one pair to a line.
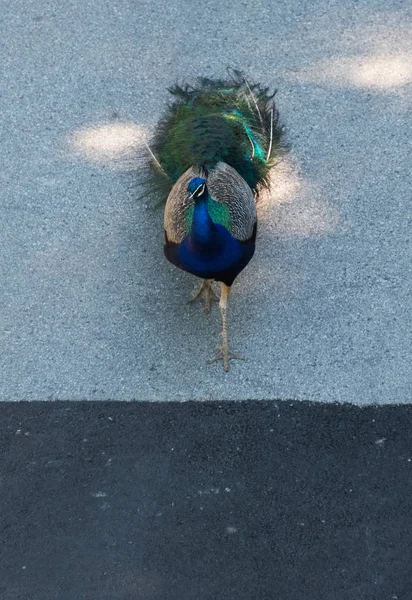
[218,121]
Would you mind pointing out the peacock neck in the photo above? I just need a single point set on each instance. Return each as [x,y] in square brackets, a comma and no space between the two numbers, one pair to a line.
[203,230]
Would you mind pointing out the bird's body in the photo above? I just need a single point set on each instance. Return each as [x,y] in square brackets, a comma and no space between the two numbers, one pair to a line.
[203,235]
[212,152]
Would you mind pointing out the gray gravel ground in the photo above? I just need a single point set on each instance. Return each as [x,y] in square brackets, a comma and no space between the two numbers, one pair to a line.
[89,307]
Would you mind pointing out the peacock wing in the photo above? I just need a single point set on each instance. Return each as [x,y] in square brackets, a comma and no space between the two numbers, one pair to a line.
[228,188]
[178,207]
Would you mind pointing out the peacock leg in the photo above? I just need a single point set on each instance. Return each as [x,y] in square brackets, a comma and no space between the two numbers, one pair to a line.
[206,290]
[224,353]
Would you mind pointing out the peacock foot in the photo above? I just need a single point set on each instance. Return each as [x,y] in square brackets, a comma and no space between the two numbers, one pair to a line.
[207,292]
[225,354]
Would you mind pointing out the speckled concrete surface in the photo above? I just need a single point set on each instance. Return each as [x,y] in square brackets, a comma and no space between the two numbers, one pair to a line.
[89,307]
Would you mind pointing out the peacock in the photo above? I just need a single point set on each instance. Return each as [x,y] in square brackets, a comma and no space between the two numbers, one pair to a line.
[211,155]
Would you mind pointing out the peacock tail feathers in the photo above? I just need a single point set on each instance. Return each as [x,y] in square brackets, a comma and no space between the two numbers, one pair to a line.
[218,121]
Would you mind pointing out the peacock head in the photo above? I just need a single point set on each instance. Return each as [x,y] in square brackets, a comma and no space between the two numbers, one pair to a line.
[196,188]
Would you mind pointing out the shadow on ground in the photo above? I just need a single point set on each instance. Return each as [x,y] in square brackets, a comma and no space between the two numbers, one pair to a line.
[136,501]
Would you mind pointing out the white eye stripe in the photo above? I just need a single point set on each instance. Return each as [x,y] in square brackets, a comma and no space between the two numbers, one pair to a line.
[202,185]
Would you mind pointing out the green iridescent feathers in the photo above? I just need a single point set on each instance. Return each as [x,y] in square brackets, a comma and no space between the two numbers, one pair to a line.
[231,120]
[219,213]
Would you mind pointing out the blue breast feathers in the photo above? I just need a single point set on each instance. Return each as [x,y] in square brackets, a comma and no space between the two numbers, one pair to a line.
[209,250]
[208,255]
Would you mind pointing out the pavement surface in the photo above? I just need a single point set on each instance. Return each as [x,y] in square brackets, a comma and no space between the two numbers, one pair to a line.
[184,501]
[89,308]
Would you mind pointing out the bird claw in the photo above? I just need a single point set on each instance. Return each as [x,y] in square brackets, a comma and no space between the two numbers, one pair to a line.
[207,292]
[224,354]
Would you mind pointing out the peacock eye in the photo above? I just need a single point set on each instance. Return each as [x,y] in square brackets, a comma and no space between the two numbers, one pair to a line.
[198,191]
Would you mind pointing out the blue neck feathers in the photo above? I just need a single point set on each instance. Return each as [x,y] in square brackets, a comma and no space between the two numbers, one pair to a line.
[209,248]
[203,231]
